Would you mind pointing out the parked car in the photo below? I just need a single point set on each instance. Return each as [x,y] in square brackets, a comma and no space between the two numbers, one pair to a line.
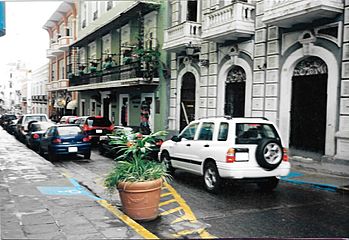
[64,140]
[95,126]
[109,146]
[35,132]
[229,148]
[22,124]
[6,119]
[68,119]
[11,126]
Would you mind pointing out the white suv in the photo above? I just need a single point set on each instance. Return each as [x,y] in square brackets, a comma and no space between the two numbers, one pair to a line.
[224,147]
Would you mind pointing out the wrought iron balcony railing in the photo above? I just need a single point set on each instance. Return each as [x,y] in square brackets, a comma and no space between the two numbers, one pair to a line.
[117,73]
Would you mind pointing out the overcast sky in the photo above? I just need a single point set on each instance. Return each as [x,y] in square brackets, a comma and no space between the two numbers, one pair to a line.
[25,38]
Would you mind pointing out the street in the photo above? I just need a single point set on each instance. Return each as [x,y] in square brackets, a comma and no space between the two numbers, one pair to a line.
[240,210]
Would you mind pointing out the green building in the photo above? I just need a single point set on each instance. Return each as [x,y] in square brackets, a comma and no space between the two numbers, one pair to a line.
[117,65]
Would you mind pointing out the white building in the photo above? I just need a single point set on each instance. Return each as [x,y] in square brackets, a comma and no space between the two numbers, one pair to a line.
[14,99]
[39,90]
[286,60]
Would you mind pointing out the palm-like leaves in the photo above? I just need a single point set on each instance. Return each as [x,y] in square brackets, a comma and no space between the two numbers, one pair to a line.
[134,163]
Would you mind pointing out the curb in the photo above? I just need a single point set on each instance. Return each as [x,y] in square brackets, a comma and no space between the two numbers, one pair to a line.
[321,186]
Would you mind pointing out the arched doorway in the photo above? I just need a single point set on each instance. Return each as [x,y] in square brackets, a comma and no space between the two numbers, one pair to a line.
[309,105]
[187,103]
[235,88]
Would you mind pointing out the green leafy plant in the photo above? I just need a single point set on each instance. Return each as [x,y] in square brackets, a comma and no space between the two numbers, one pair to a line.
[134,164]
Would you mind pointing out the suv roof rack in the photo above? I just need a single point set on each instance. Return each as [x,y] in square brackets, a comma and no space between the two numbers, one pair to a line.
[230,117]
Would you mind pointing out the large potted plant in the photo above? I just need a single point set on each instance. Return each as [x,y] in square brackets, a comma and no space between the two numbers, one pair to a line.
[137,177]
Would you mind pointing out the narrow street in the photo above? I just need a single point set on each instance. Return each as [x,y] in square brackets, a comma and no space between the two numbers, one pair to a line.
[240,209]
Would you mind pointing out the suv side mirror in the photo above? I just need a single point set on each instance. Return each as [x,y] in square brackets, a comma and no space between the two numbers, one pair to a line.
[176,139]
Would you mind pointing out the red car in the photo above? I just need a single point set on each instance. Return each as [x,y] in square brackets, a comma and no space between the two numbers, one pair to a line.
[95,126]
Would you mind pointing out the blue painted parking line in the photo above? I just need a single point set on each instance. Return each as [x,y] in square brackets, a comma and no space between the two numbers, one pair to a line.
[290,178]
[77,189]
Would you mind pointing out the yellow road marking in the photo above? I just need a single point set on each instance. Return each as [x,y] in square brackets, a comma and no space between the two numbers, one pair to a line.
[134,225]
[167,202]
[180,219]
[170,211]
[189,215]
[165,194]
[187,232]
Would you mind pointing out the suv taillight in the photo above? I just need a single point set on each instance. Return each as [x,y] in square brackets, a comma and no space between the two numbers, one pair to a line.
[230,157]
[159,142]
[86,127]
[111,127]
[285,156]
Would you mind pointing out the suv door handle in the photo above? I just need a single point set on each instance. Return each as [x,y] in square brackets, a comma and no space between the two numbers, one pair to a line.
[206,145]
[188,145]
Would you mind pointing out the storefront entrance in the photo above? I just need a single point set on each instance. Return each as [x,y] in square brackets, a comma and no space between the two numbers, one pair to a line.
[235,92]
[187,103]
[308,105]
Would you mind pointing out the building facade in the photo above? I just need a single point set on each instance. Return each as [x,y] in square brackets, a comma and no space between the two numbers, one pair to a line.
[118,66]
[38,86]
[13,88]
[61,27]
[285,60]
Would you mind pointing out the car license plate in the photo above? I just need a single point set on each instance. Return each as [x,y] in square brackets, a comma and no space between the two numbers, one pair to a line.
[72,149]
[241,156]
[99,131]
[101,138]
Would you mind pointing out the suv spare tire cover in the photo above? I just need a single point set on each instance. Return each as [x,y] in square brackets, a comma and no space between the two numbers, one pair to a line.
[269,154]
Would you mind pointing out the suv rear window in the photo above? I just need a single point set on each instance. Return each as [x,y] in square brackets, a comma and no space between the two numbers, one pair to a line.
[252,133]
[98,122]
[69,130]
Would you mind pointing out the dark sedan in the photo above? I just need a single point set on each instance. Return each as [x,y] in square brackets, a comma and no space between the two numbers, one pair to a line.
[95,126]
[35,132]
[110,147]
[67,139]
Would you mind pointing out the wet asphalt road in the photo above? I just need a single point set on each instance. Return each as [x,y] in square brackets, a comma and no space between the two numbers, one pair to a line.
[241,210]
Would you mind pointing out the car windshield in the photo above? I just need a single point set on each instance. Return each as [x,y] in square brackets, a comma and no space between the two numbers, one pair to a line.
[36,118]
[69,130]
[252,133]
[100,122]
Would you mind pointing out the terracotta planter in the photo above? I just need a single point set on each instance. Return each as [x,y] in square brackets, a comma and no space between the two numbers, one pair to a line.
[140,200]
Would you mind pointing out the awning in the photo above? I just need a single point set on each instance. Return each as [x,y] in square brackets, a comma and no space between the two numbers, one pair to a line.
[72,104]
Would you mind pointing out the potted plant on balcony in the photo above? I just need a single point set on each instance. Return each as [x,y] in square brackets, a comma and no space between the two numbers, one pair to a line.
[108,62]
[137,177]
[93,66]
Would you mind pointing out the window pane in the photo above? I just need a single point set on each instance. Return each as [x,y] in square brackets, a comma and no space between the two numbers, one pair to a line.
[71,130]
[206,131]
[223,131]
[189,132]
[251,133]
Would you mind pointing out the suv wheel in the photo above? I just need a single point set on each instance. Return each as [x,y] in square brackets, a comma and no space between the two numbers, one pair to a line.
[268,185]
[269,154]
[165,158]
[212,180]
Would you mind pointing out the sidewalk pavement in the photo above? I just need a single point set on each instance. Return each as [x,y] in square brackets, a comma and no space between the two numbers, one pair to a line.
[38,202]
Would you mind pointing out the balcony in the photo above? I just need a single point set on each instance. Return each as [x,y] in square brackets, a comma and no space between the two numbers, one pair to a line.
[118,76]
[229,23]
[53,51]
[64,42]
[286,13]
[61,84]
[178,37]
